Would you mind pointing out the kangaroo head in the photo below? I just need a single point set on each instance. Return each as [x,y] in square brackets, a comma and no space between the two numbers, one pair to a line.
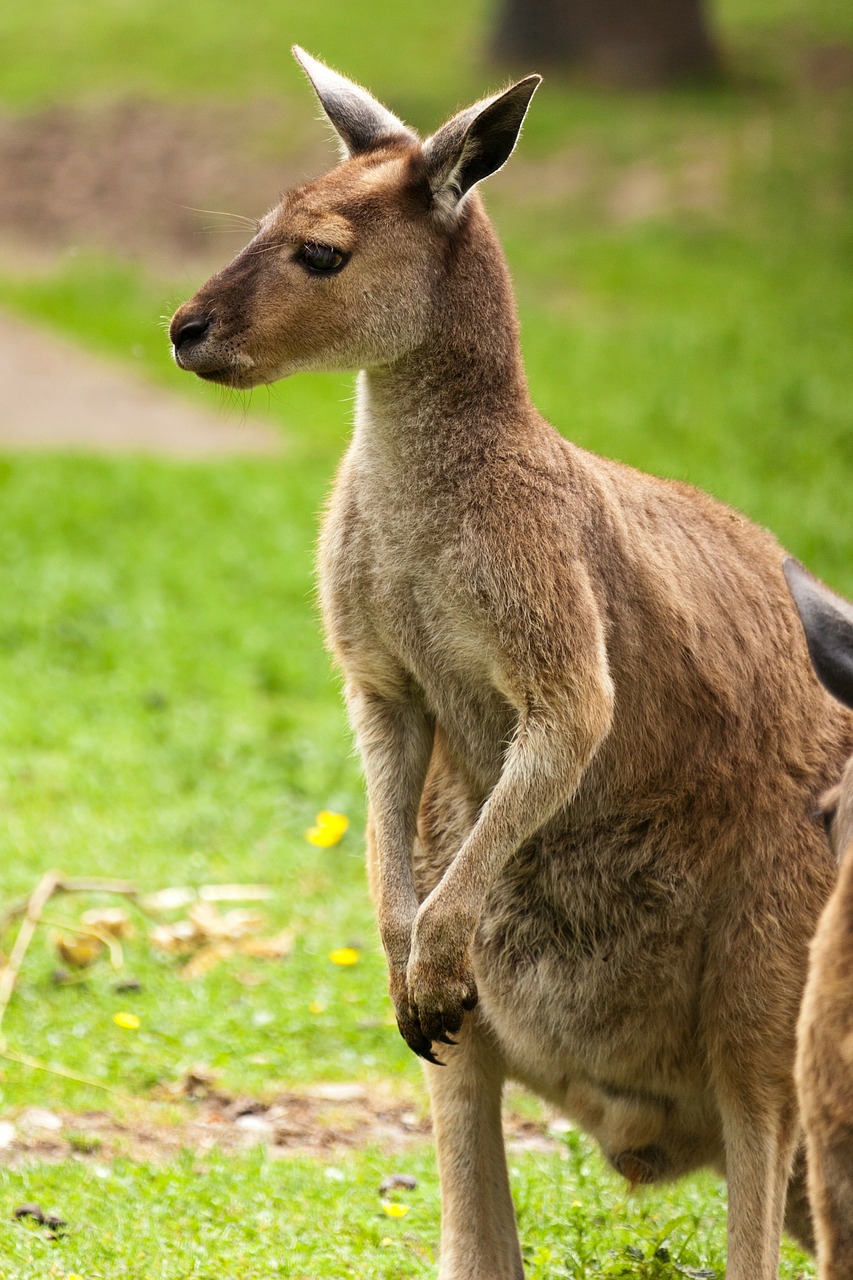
[828,623]
[347,271]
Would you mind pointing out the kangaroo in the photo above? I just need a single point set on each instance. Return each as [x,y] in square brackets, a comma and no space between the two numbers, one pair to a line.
[589,728]
[824,1068]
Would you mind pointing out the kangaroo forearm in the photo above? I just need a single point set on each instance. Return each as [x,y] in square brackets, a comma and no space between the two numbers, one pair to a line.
[395,738]
[542,773]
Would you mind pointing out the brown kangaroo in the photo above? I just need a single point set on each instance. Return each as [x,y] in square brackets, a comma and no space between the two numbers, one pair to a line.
[589,727]
[825,1038]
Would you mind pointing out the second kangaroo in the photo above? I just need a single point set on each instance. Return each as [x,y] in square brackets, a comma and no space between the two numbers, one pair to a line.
[589,727]
[825,1049]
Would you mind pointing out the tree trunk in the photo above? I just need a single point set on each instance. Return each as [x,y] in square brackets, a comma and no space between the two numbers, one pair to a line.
[618,42]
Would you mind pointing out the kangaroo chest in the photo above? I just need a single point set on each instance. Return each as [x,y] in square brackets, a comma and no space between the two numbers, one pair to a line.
[394,595]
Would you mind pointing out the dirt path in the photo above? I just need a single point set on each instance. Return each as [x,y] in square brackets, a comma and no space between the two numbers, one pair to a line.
[55,395]
[325,1120]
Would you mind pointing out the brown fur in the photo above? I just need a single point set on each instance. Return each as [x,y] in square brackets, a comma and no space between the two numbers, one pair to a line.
[589,728]
[824,1068]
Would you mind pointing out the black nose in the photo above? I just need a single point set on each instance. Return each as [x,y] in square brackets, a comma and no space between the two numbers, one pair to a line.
[190,331]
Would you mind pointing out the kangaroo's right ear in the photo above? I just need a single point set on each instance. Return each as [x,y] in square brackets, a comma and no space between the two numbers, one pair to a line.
[828,623]
[360,121]
[476,143]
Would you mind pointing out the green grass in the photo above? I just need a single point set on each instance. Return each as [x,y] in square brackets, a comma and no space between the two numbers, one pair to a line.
[210,1216]
[167,711]
[212,48]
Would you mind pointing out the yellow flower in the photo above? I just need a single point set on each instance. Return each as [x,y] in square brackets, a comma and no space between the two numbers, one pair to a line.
[395,1210]
[328,829]
[344,956]
[316,1006]
[130,1022]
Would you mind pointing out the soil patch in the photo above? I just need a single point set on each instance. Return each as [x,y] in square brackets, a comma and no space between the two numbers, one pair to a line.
[58,396]
[121,175]
[326,1120]
[135,177]
[829,67]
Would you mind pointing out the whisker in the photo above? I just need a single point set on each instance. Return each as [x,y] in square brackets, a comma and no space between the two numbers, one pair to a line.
[224,213]
[211,229]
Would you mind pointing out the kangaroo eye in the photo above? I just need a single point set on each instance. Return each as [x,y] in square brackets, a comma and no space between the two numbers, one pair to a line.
[322,259]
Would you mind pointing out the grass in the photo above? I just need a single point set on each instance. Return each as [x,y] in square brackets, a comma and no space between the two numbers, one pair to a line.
[208,1216]
[207,48]
[166,708]
[167,712]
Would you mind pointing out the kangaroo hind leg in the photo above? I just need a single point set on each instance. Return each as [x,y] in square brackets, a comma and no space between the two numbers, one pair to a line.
[479,1240]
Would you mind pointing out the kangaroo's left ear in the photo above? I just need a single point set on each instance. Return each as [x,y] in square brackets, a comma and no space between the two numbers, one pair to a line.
[361,122]
[476,143]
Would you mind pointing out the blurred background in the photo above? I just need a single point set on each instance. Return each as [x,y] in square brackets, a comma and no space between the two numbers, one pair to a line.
[678,221]
[677,217]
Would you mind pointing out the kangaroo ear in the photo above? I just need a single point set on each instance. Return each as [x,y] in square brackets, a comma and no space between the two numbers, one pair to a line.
[360,121]
[476,143]
[828,623]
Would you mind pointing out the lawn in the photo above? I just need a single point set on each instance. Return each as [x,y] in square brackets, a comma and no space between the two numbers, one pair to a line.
[167,711]
[256,1218]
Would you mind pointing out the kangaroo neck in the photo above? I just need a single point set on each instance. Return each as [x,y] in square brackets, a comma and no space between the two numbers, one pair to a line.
[463,391]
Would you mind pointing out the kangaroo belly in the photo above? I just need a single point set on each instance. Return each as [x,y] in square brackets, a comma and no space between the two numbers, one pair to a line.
[591,988]
[613,952]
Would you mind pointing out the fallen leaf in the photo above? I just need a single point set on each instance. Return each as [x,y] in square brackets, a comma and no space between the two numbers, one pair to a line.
[112,920]
[235,924]
[80,951]
[177,939]
[207,958]
[169,899]
[274,948]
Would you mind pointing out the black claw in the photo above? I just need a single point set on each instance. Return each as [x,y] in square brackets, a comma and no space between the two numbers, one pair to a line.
[429,1056]
[444,1038]
[469,1002]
